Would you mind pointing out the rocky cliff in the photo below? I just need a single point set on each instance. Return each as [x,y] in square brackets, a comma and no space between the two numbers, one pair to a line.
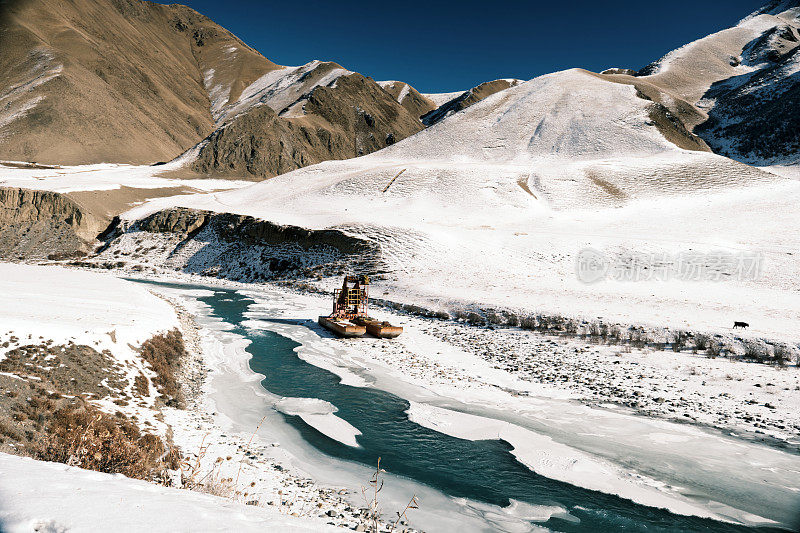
[38,224]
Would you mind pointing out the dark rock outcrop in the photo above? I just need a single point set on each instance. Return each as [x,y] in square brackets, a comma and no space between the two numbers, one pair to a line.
[246,230]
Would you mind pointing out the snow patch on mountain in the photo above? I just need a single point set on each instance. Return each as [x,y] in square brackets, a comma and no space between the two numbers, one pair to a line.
[217,93]
[405,89]
[15,101]
[442,98]
[282,87]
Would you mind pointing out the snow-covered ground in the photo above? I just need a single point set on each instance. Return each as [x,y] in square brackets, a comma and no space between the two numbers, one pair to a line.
[55,498]
[105,177]
[474,381]
[40,304]
[83,307]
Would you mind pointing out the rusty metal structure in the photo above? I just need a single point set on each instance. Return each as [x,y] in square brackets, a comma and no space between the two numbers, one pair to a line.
[349,317]
[350,301]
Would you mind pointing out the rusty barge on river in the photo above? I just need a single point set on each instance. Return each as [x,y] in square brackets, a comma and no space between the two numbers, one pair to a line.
[349,317]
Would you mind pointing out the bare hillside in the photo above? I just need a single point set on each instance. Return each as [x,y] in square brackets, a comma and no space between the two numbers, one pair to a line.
[126,81]
[297,116]
[88,81]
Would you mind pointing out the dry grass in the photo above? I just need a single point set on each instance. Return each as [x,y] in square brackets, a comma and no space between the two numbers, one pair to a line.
[370,518]
[141,385]
[83,436]
[10,432]
[212,482]
[164,353]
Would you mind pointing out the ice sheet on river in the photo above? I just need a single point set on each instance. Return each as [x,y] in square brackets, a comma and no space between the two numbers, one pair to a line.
[319,415]
[557,461]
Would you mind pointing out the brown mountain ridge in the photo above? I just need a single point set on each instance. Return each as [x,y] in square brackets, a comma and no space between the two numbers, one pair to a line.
[126,81]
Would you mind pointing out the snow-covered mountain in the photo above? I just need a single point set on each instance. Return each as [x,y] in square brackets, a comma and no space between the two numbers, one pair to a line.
[768,95]
[407,96]
[292,117]
[745,83]
[570,139]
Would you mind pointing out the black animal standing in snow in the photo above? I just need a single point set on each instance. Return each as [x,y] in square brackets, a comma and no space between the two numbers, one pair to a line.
[740,325]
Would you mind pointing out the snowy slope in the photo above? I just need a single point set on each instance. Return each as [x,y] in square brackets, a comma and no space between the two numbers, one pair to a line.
[442,98]
[85,307]
[564,140]
[52,497]
[466,99]
[496,202]
[691,69]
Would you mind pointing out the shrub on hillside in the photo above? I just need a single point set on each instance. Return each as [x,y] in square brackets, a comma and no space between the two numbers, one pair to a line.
[701,342]
[83,436]
[679,340]
[714,348]
[755,351]
[164,353]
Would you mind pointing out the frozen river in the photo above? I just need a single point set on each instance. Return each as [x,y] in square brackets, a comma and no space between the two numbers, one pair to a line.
[487,468]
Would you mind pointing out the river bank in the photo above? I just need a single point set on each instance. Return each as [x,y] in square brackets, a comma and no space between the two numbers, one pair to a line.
[239,465]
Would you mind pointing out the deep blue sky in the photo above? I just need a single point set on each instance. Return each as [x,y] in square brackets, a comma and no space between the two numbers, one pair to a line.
[440,46]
